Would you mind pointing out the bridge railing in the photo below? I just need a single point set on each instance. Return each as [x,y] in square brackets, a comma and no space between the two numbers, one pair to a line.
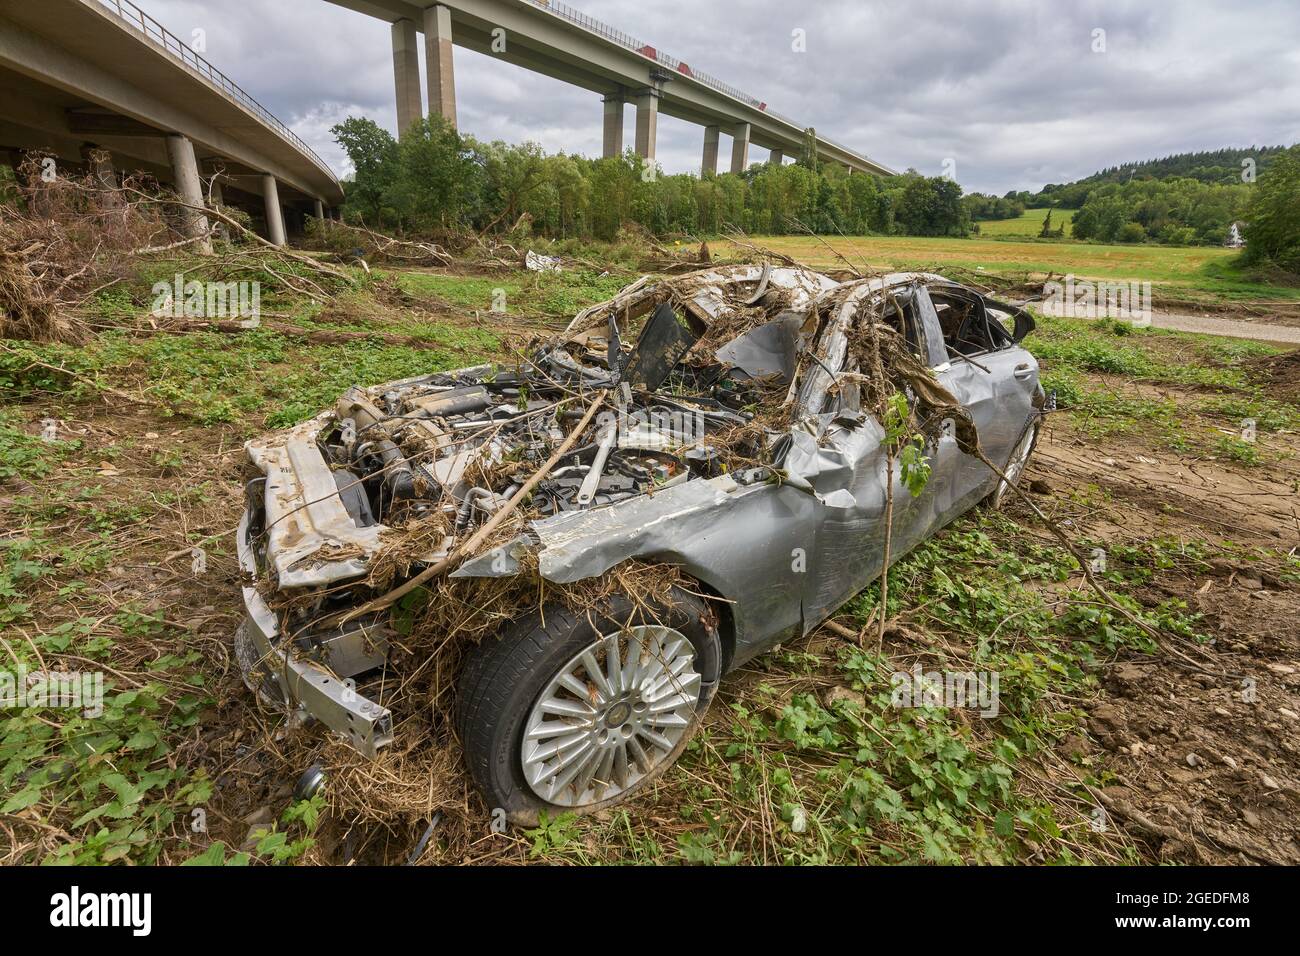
[132,16]
[648,50]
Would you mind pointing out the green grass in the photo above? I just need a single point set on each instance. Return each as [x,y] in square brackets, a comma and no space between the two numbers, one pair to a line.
[1118,348]
[550,293]
[1268,415]
[1027,225]
[1074,354]
[257,378]
[1182,271]
[103,767]
[106,769]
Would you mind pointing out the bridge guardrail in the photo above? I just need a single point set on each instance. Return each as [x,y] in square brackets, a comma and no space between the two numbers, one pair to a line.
[629,42]
[132,16]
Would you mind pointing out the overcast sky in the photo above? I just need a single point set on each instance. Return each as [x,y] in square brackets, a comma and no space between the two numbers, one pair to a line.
[1011,91]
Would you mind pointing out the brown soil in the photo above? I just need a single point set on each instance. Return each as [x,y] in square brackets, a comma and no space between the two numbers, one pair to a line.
[1279,373]
[1206,758]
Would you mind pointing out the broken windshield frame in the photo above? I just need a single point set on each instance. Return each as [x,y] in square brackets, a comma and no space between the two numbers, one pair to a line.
[919,326]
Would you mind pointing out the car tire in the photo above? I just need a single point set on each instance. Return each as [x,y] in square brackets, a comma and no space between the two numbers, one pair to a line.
[1014,468]
[512,686]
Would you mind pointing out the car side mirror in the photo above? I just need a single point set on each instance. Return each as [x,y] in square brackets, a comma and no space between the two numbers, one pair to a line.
[1024,325]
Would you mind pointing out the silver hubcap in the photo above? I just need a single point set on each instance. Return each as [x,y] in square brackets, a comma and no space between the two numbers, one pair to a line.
[610,716]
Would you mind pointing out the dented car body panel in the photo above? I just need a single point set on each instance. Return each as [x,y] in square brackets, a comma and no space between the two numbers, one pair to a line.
[781,545]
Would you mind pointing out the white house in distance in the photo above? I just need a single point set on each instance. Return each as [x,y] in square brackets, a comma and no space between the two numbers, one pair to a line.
[1235,240]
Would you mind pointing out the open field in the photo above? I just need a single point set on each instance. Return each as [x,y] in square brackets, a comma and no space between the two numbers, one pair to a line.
[1200,273]
[1107,748]
[1028,224]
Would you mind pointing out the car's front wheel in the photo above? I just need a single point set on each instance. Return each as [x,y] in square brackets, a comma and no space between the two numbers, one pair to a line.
[574,712]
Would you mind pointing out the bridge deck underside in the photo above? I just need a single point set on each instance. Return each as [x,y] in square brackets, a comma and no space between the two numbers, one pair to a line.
[62,57]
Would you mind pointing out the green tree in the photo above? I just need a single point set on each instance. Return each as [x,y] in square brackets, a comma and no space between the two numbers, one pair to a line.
[1101,217]
[808,151]
[932,207]
[512,174]
[440,178]
[613,188]
[1272,229]
[1132,232]
[572,194]
[372,151]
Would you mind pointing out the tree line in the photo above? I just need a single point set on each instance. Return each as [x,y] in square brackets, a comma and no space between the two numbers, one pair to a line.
[435,178]
[1183,199]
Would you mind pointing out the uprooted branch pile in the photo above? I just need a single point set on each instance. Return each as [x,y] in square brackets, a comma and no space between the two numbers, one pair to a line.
[66,236]
[353,241]
[63,238]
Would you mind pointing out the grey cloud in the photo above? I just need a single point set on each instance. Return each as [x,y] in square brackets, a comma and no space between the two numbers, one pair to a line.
[1009,89]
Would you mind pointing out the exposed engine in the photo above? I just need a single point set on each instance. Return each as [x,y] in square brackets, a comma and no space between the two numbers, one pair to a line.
[428,443]
[683,364]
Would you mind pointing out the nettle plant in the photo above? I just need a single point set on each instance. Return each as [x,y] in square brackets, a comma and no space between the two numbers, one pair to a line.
[103,778]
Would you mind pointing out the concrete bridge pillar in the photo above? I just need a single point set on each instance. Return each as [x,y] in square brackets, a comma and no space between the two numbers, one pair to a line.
[274,214]
[740,148]
[613,139]
[777,157]
[185,172]
[710,165]
[441,76]
[647,122]
[320,213]
[406,75]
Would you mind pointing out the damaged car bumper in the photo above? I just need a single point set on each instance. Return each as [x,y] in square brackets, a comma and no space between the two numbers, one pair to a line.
[307,679]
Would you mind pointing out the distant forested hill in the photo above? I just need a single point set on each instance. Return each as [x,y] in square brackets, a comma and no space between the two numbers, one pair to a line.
[1184,199]
[1218,167]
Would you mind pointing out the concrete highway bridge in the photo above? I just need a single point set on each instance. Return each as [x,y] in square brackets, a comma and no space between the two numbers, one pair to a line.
[82,76]
[558,41]
[85,79]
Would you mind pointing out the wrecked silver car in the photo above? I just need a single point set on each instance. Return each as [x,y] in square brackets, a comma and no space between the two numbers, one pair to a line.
[730,435]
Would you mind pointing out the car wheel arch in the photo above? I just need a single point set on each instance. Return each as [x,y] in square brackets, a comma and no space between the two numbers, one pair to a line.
[716,601]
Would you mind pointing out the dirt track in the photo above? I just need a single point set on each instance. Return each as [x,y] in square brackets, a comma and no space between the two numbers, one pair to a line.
[1232,328]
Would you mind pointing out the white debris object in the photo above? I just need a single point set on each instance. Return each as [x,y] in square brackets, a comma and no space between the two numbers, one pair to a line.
[536,263]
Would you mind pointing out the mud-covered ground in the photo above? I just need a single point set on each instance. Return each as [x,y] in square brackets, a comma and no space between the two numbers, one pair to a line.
[1108,749]
[1204,752]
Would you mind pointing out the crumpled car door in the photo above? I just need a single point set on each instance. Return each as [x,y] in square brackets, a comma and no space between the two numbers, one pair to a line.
[847,472]
[998,387]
